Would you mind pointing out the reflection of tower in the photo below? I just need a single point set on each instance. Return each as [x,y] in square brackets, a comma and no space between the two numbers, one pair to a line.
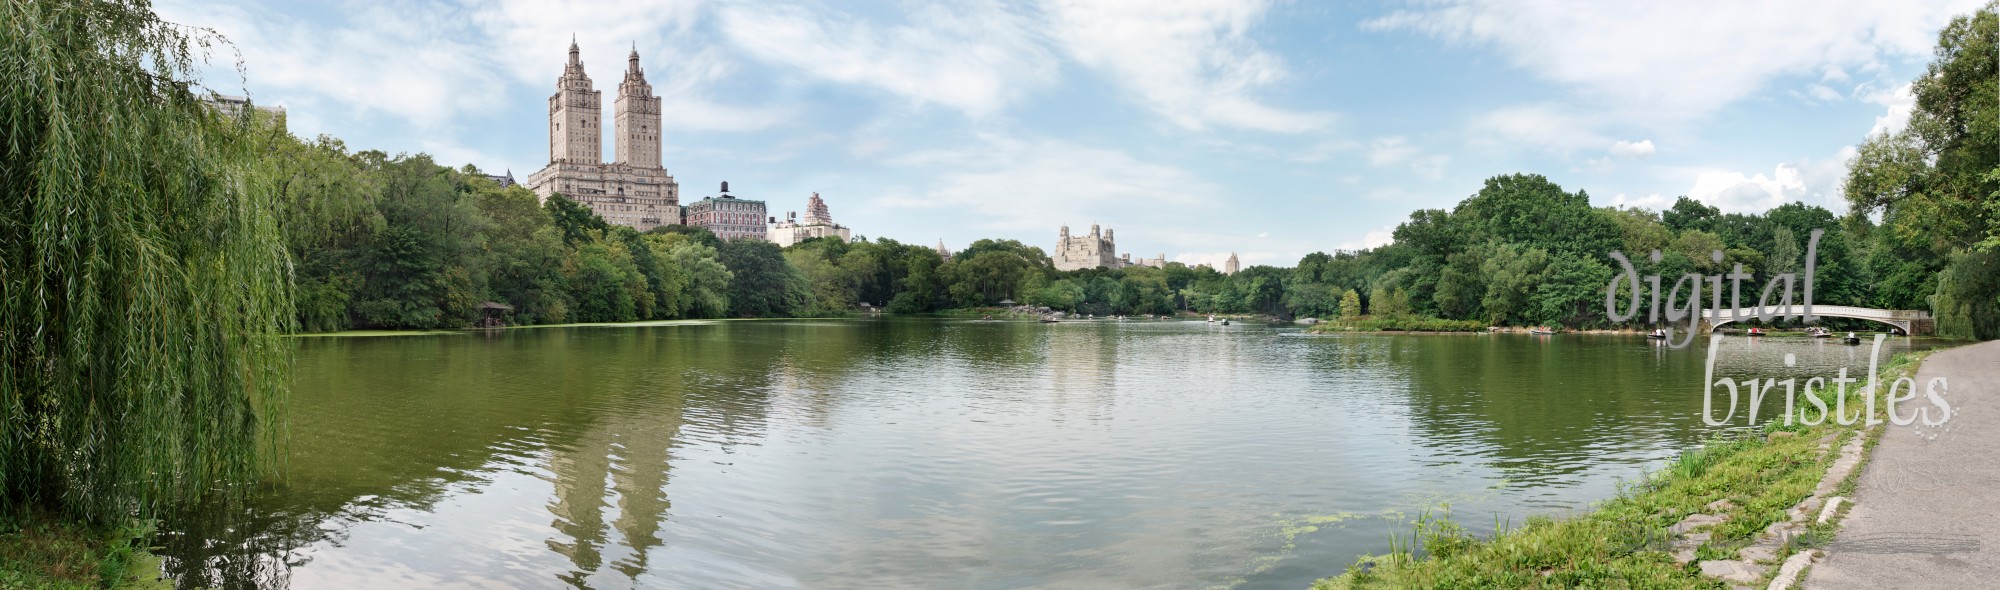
[630,448]
[1083,363]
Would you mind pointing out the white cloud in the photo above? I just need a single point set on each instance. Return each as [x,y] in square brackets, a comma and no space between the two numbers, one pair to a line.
[433,64]
[1676,60]
[1627,149]
[1194,62]
[1539,126]
[1822,93]
[1653,201]
[1815,182]
[1397,150]
[973,58]
[1029,185]
[413,63]
[1390,150]
[1899,103]
[1373,239]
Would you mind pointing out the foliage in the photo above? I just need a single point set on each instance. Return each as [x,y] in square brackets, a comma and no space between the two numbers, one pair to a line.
[1399,323]
[142,272]
[1350,304]
[44,551]
[1936,184]
[764,284]
[1622,542]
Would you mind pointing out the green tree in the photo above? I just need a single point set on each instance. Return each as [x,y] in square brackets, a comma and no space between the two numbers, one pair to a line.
[762,284]
[1350,304]
[1936,184]
[143,277]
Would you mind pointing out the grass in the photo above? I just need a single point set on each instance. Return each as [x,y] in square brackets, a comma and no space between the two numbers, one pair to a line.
[1398,323]
[45,552]
[1624,542]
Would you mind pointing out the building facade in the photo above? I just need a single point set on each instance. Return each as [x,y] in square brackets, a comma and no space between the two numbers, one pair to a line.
[1157,262]
[818,223]
[234,106]
[1089,251]
[1230,266]
[728,217]
[634,189]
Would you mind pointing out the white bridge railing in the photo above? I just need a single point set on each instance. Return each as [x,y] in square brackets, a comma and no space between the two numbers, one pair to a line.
[1838,311]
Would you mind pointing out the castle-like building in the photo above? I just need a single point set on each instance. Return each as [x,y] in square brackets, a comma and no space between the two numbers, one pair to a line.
[634,189]
[1091,251]
[817,224]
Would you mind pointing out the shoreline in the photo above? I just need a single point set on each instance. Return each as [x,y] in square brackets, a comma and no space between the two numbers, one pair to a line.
[1730,511]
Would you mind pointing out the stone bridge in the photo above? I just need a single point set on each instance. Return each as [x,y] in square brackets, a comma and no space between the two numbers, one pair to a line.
[1910,321]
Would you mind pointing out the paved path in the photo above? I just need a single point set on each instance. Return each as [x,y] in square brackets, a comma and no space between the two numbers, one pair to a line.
[1927,511]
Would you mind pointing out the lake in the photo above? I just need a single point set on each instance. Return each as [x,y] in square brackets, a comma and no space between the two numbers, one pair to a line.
[931,453]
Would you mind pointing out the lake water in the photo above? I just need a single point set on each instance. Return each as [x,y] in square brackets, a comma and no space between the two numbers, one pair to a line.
[937,453]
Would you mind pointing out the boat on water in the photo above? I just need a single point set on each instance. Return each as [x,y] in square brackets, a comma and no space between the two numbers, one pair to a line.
[1225,322]
[1818,332]
[1048,320]
[1754,332]
[1211,318]
[1657,334]
[1540,330]
[1851,339]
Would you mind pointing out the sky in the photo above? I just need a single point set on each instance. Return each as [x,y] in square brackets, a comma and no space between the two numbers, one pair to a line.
[1195,128]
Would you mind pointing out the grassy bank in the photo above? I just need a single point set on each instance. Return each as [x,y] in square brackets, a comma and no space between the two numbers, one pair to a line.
[1398,324]
[44,552]
[1624,542]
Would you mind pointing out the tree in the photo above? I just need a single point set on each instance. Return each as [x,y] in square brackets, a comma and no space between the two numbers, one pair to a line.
[762,284]
[706,294]
[1936,184]
[1350,304]
[573,220]
[143,278]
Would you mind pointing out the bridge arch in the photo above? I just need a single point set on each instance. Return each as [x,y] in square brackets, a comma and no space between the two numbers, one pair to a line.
[1910,321]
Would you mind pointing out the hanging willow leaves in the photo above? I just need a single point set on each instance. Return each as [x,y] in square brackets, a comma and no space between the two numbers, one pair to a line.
[142,275]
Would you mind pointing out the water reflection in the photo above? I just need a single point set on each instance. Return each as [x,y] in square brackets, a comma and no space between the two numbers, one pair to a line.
[858,454]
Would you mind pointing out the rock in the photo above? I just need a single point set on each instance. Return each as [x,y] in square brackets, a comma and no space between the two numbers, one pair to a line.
[1758,553]
[1731,570]
[1694,521]
[1683,556]
[1788,574]
[1832,508]
[1723,505]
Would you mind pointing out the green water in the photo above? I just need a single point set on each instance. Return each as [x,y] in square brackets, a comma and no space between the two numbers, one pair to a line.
[936,453]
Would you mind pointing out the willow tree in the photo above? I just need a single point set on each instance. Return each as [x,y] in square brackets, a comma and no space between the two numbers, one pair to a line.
[142,276]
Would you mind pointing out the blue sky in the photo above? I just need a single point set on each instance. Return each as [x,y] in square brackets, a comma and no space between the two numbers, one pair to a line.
[1193,127]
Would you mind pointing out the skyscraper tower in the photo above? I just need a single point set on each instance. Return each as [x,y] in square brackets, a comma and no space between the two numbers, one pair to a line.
[638,119]
[576,116]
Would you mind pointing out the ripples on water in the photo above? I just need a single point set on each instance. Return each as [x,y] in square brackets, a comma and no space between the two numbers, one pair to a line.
[888,454]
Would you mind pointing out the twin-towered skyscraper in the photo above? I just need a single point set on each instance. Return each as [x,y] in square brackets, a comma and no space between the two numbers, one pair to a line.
[634,189]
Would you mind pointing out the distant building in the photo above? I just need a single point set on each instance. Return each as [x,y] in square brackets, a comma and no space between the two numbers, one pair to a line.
[504,180]
[1090,251]
[1159,262]
[817,224]
[942,252]
[234,105]
[728,217]
[634,190]
[1232,265]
